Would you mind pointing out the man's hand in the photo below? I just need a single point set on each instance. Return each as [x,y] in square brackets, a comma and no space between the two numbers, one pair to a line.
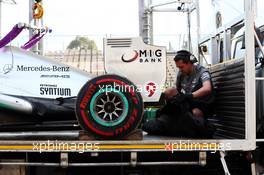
[179,98]
[188,96]
[170,92]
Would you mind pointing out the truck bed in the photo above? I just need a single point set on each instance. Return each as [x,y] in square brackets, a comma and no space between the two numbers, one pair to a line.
[232,126]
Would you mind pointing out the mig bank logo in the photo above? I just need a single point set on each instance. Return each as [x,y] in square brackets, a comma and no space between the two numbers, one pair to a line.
[128,60]
[142,56]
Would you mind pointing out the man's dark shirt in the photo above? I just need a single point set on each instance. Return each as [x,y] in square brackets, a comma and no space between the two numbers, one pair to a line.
[194,81]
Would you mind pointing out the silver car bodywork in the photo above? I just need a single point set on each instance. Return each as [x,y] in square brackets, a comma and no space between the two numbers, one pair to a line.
[25,76]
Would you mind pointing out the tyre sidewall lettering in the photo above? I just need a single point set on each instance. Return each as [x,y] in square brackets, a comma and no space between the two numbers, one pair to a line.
[88,95]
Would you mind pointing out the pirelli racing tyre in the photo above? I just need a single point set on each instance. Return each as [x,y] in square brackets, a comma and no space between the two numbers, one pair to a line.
[109,106]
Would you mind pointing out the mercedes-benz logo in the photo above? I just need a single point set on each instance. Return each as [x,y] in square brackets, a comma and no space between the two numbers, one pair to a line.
[7,68]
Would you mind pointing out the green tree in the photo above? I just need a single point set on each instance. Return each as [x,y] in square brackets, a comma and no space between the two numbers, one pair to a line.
[81,42]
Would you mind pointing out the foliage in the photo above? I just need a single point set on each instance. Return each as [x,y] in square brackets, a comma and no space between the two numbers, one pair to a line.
[81,42]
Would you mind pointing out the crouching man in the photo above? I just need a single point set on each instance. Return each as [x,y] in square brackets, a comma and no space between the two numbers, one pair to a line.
[188,105]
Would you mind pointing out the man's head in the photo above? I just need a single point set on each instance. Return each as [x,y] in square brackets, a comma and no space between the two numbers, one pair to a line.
[184,61]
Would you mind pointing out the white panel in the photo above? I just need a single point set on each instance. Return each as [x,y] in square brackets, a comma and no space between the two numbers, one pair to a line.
[141,63]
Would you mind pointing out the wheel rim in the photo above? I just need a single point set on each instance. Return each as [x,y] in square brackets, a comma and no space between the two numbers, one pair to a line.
[109,107]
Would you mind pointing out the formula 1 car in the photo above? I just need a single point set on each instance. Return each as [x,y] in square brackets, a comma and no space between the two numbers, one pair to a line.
[108,106]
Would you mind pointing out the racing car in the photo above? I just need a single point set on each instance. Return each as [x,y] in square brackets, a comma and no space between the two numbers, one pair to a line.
[38,88]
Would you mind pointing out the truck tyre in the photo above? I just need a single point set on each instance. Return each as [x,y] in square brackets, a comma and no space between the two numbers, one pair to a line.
[109,107]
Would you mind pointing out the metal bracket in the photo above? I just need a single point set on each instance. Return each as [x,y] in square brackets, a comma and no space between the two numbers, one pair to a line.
[172,2]
[94,154]
[250,158]
[133,159]
[202,158]
[222,158]
[64,160]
